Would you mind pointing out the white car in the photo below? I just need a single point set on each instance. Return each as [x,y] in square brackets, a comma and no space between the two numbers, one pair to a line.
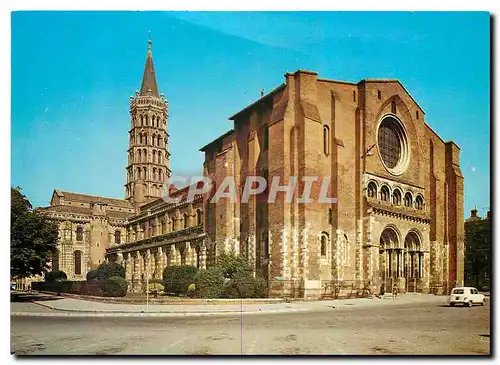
[466,296]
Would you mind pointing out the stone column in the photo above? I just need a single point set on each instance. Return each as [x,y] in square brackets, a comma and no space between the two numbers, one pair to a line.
[148,269]
[187,254]
[161,262]
[128,268]
[136,275]
[203,255]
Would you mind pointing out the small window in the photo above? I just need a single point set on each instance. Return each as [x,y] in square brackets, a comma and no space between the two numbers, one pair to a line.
[117,237]
[97,244]
[393,107]
[416,114]
[379,95]
[330,215]
[79,234]
[324,243]
[326,140]
[354,96]
[266,139]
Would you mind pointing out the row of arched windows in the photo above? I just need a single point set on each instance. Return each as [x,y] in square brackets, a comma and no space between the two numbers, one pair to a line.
[151,121]
[144,139]
[156,174]
[396,197]
[172,224]
[142,156]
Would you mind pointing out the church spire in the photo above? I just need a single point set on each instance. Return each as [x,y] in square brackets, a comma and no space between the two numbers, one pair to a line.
[149,77]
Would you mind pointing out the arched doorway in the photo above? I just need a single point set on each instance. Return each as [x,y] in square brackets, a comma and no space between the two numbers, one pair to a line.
[390,258]
[413,261]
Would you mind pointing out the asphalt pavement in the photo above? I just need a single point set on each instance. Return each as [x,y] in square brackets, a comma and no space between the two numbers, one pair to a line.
[405,328]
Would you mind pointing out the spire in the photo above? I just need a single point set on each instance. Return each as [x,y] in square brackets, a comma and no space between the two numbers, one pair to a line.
[149,77]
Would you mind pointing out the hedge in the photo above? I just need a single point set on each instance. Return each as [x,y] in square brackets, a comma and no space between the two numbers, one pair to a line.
[209,283]
[107,270]
[232,277]
[92,276]
[176,279]
[115,286]
[56,275]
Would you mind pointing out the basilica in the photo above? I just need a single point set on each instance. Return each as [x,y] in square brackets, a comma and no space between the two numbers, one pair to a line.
[397,219]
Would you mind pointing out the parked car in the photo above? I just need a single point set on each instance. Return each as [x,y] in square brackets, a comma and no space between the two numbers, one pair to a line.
[466,296]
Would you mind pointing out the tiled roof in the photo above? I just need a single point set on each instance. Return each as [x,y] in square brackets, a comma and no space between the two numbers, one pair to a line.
[93,199]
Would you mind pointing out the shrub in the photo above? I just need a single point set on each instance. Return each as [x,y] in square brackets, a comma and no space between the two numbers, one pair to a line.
[107,270]
[209,283]
[155,285]
[241,285]
[260,288]
[231,264]
[92,277]
[176,279]
[191,292]
[115,286]
[56,275]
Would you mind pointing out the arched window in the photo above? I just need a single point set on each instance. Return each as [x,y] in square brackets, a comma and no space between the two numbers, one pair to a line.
[372,190]
[326,140]
[419,202]
[396,197]
[199,217]
[78,262]
[142,124]
[172,225]
[266,138]
[186,220]
[154,156]
[154,173]
[384,193]
[324,244]
[159,157]
[159,141]
[160,175]
[144,174]
[408,200]
[118,237]
[144,155]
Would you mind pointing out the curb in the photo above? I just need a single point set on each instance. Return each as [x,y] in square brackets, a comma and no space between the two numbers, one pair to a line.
[69,313]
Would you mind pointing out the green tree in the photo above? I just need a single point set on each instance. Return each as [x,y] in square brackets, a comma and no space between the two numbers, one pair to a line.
[33,238]
[477,252]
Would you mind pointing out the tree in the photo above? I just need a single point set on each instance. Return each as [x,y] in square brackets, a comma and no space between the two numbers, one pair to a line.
[477,252]
[33,238]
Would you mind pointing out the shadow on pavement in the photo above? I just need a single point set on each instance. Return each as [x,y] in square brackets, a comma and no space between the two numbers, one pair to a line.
[30,297]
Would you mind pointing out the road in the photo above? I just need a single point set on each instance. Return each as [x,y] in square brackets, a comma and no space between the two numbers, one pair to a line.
[385,330]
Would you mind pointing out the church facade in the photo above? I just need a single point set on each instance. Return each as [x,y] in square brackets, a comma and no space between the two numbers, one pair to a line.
[397,219]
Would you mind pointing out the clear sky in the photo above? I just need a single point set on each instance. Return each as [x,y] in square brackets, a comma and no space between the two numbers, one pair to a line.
[73,73]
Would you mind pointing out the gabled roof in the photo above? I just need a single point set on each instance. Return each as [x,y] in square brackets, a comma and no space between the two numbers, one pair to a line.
[149,76]
[84,198]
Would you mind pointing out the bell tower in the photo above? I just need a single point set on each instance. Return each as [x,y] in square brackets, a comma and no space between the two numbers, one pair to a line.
[148,167]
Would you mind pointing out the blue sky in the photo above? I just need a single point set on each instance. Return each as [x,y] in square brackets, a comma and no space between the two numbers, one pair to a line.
[73,73]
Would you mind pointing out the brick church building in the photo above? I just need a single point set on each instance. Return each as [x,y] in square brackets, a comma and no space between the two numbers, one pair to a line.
[397,220]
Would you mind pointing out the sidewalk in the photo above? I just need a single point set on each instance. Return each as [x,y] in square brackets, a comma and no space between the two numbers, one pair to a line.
[76,307]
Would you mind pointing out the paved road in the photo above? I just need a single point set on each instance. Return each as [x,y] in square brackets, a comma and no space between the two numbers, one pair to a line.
[423,328]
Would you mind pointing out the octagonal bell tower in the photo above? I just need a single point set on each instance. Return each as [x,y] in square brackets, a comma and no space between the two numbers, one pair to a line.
[148,167]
